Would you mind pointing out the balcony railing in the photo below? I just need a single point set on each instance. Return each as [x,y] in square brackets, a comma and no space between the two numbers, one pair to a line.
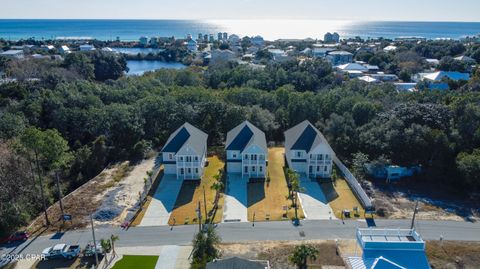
[188,164]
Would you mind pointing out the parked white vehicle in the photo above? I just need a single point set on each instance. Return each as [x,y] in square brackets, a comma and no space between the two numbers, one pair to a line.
[62,251]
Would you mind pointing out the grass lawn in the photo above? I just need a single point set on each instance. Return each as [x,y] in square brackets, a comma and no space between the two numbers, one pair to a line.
[341,197]
[192,192]
[270,198]
[136,261]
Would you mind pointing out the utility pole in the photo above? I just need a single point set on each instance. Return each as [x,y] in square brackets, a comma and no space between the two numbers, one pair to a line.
[205,204]
[414,215]
[94,242]
[199,217]
[60,197]
[42,194]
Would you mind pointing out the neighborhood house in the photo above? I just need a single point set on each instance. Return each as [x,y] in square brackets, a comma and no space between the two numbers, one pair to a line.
[185,152]
[246,148]
[307,151]
[389,248]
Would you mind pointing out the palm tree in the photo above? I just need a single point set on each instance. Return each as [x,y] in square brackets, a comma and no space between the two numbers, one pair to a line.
[294,188]
[205,248]
[113,239]
[301,254]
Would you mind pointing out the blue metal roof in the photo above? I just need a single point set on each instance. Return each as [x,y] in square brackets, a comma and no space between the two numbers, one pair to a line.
[177,142]
[306,139]
[241,140]
[405,258]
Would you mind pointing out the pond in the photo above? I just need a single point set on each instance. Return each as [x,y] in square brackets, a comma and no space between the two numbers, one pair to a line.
[137,67]
[135,51]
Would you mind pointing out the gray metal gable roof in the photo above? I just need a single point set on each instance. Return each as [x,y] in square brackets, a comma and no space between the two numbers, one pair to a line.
[244,135]
[185,136]
[234,263]
[304,136]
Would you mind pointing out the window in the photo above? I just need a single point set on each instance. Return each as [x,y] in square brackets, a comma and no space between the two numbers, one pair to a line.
[170,156]
[253,168]
[181,158]
[196,158]
[196,170]
[189,158]
[318,168]
[246,169]
[189,170]
[234,155]
[325,169]
[182,171]
[299,154]
[254,157]
[327,157]
[246,157]
[310,169]
[320,156]
[260,168]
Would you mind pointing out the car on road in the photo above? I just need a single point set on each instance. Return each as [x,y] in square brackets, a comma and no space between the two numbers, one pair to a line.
[90,249]
[61,251]
[18,236]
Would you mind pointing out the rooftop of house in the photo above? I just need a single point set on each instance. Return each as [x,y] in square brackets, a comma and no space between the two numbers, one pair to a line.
[383,239]
[235,263]
[304,136]
[390,248]
[352,67]
[187,134]
[439,75]
[12,52]
[340,52]
[244,135]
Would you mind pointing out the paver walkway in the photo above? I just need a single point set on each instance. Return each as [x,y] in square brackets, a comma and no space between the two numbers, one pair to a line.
[313,200]
[235,207]
[168,257]
[161,206]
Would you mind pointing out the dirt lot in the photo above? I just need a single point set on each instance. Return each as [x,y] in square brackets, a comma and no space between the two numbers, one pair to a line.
[271,197]
[277,252]
[192,192]
[453,255]
[446,255]
[112,197]
[397,201]
[79,263]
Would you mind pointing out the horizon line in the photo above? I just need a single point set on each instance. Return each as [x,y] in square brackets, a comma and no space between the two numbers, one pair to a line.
[238,19]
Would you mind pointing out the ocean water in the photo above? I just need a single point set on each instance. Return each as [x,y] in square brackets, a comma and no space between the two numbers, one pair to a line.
[269,29]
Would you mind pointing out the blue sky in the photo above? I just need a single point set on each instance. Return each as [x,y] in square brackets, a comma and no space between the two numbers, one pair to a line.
[417,10]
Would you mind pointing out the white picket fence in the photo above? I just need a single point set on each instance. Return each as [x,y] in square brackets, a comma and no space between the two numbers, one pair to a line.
[354,185]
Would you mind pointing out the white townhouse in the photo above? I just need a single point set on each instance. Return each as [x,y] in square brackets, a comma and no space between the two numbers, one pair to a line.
[185,152]
[247,152]
[307,151]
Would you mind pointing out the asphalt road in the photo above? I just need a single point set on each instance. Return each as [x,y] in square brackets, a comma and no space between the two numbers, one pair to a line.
[242,232]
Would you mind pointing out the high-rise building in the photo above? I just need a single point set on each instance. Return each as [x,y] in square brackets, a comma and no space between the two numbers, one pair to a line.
[219,36]
[225,36]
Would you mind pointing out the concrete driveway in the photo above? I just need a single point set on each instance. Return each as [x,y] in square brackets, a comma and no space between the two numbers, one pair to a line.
[161,206]
[235,207]
[314,201]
